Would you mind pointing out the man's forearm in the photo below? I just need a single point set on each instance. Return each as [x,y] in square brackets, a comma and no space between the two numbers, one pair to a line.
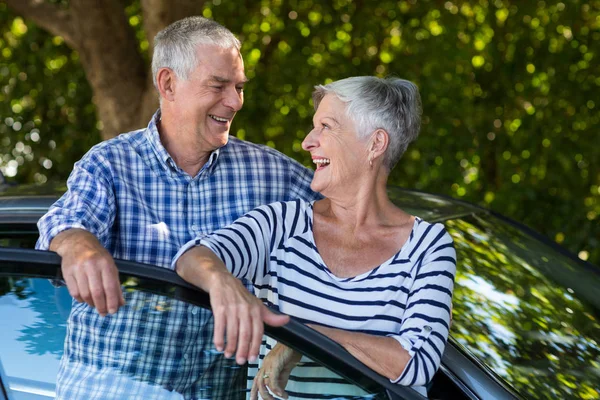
[89,270]
[72,239]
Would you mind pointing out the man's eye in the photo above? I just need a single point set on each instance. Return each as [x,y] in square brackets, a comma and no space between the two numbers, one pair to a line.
[217,87]
[240,89]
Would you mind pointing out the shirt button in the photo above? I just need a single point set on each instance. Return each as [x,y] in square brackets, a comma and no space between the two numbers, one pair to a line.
[194,227]
[194,310]
[185,356]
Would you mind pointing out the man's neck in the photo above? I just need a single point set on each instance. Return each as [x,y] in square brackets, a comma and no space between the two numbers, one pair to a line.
[186,153]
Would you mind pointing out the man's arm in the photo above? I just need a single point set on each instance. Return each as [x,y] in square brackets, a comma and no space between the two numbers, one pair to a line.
[77,225]
[89,270]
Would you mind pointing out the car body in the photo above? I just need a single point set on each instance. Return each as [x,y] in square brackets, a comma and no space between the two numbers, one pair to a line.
[526,318]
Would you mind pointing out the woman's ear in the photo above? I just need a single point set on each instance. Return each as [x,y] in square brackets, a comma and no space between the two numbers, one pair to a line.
[165,80]
[379,143]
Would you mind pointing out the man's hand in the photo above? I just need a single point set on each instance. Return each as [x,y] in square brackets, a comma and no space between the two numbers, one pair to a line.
[275,373]
[238,314]
[89,270]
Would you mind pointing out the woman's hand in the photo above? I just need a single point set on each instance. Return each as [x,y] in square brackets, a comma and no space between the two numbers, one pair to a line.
[275,372]
[238,314]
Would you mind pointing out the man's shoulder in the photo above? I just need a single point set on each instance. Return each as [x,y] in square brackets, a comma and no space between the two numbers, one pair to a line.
[122,143]
[241,147]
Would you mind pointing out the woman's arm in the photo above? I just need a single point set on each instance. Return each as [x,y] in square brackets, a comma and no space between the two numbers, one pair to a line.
[412,355]
[215,262]
[382,354]
[236,311]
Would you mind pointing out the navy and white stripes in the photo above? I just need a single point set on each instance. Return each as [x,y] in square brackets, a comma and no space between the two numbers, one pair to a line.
[408,297]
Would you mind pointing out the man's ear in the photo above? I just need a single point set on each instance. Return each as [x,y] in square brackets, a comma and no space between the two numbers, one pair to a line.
[166,81]
[380,140]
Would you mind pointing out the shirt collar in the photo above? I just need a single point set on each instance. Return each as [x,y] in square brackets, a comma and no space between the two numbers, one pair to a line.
[166,161]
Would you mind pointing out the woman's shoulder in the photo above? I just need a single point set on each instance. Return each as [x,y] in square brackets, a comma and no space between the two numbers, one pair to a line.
[427,234]
[284,209]
[289,217]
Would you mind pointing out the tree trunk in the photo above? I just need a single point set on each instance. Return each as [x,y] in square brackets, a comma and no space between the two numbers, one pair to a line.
[121,80]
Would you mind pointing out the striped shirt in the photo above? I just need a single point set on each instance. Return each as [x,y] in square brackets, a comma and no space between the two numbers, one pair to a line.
[142,207]
[408,297]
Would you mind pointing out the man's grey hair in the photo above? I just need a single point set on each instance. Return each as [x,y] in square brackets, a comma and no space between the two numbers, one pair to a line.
[391,104]
[175,46]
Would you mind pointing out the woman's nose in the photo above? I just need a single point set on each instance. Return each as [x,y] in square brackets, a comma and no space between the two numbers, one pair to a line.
[309,141]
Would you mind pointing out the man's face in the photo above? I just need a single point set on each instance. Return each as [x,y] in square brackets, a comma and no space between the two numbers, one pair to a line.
[207,101]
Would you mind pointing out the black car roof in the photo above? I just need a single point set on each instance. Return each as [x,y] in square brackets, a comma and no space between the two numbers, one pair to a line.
[27,203]
[36,199]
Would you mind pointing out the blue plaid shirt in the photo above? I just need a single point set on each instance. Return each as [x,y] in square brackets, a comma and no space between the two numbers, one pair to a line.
[131,195]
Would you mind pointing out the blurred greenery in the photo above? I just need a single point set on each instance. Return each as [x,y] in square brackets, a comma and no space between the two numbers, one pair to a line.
[510,95]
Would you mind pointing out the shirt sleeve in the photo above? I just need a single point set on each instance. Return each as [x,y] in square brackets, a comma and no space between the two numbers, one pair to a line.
[245,245]
[89,203]
[425,325]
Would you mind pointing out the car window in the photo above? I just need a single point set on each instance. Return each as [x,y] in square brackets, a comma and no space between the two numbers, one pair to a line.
[17,240]
[528,312]
[18,235]
[35,313]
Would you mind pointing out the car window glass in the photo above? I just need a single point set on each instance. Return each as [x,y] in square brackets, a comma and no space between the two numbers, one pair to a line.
[35,313]
[309,379]
[18,238]
[525,310]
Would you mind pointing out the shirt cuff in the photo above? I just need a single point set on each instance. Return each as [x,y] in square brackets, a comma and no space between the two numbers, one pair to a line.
[408,346]
[46,238]
[405,343]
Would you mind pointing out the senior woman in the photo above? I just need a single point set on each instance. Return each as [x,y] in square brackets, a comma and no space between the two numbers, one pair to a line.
[357,268]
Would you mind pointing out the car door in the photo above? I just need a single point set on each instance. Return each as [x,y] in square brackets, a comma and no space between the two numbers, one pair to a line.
[34,311]
[525,310]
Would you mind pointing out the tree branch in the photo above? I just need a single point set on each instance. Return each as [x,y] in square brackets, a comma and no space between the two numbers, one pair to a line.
[54,19]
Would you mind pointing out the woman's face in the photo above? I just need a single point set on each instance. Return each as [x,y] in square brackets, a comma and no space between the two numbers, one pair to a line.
[339,155]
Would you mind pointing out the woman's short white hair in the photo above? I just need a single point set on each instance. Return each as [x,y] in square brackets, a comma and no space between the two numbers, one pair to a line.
[175,46]
[391,104]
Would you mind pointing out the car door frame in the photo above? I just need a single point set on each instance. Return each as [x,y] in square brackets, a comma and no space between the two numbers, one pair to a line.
[46,264]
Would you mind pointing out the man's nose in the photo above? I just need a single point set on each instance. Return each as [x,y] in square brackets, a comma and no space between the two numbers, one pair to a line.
[234,99]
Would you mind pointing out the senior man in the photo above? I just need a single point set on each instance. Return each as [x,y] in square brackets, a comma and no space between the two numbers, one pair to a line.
[140,197]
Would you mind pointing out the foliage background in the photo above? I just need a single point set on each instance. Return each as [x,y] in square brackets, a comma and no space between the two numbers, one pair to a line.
[510,95]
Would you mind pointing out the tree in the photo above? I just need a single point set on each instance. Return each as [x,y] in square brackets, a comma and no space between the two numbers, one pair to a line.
[109,51]
[510,89]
